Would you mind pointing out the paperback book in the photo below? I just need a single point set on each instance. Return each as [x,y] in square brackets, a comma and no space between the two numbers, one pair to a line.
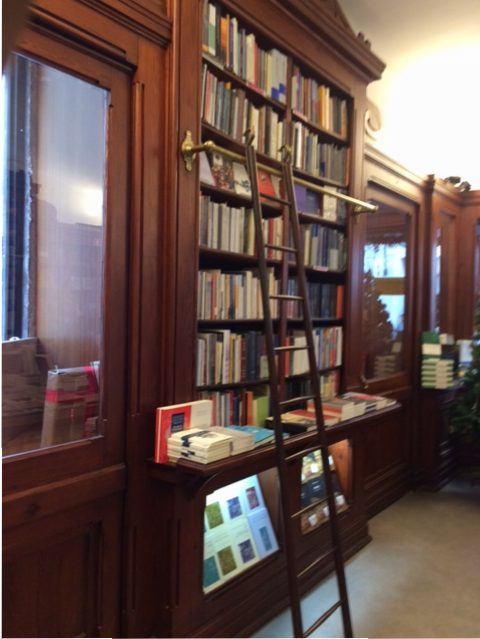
[179,417]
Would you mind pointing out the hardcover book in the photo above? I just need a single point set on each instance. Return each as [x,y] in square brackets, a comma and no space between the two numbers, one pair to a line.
[206,175]
[241,180]
[222,170]
[265,184]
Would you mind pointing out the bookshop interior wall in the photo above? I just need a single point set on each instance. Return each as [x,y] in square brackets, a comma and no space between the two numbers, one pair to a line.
[140,489]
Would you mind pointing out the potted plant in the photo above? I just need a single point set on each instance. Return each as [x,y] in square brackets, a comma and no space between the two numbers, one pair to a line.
[465,415]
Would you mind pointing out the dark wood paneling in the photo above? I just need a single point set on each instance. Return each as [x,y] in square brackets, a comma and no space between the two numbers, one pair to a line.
[468,265]
[436,455]
[61,574]
[387,465]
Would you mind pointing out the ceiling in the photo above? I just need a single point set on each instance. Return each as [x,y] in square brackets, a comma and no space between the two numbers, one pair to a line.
[429,95]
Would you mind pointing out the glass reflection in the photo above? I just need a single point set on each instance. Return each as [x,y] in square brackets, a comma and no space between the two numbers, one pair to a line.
[384,276]
[52,252]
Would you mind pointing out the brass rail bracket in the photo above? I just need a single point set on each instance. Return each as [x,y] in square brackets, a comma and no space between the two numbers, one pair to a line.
[189,149]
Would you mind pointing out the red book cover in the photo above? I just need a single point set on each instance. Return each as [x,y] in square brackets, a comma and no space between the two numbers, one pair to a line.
[265,184]
[171,419]
[339,304]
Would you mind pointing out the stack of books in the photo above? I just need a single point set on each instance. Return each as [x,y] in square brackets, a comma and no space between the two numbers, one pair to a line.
[199,445]
[242,440]
[341,408]
[258,435]
[369,402]
[437,373]
[386,365]
[437,367]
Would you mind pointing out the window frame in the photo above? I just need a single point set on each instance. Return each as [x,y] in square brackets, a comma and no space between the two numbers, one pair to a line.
[377,194]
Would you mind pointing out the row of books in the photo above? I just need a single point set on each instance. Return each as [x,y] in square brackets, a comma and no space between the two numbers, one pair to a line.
[237,50]
[314,101]
[324,247]
[230,228]
[233,295]
[326,300]
[337,409]
[228,357]
[227,109]
[328,350]
[225,357]
[300,386]
[239,406]
[318,158]
[216,169]
[238,532]
[326,206]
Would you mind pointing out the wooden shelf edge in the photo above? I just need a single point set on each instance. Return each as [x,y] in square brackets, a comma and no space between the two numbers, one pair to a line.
[259,459]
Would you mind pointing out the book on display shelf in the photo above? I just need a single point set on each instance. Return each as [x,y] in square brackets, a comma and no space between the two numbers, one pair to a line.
[176,418]
[237,531]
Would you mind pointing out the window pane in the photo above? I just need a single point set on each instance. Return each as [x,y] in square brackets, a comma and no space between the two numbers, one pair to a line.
[384,277]
[52,252]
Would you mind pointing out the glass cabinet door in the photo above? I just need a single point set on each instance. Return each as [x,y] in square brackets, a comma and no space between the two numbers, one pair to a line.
[385,295]
[53,254]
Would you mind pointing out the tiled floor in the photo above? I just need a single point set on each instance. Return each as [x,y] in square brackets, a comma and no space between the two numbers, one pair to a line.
[419,577]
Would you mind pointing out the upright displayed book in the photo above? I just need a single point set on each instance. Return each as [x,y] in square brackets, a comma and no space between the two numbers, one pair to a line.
[178,418]
[238,532]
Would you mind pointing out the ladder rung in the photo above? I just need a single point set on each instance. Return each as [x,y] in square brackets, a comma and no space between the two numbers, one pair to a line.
[278,247]
[303,452]
[315,563]
[279,349]
[322,619]
[312,217]
[295,400]
[294,298]
[273,198]
[304,510]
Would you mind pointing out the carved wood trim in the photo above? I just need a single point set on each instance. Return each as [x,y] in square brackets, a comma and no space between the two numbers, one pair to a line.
[137,182]
[44,19]
[332,29]
[135,17]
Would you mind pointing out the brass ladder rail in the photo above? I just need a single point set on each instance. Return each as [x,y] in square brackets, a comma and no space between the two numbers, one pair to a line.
[289,518]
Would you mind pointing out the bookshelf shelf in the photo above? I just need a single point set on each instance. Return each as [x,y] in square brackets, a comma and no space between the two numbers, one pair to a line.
[227,141]
[318,179]
[224,274]
[309,218]
[233,385]
[261,458]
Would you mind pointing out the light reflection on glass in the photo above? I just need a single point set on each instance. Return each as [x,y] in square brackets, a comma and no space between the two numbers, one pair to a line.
[384,273]
[53,256]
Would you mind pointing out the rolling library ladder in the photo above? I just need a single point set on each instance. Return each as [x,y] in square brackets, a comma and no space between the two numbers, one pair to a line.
[277,404]
[275,356]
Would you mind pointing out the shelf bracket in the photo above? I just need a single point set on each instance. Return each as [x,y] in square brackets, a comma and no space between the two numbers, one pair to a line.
[189,149]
